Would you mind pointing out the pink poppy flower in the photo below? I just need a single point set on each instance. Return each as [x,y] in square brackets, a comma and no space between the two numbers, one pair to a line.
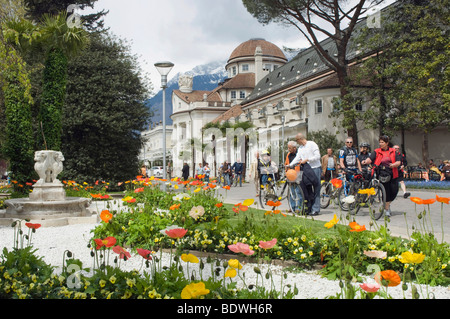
[121,251]
[241,248]
[268,244]
[370,287]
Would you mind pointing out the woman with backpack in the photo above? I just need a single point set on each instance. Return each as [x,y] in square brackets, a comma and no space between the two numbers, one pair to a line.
[386,161]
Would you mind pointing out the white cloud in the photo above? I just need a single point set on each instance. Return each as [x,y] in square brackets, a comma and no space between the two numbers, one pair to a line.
[189,32]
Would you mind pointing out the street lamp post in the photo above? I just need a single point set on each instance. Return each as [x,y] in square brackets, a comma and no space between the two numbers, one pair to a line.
[164,68]
[282,112]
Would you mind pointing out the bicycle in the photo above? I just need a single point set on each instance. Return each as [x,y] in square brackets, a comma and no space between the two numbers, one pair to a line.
[375,199]
[350,187]
[329,192]
[292,191]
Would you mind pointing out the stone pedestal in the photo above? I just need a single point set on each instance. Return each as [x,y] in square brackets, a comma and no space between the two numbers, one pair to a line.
[48,199]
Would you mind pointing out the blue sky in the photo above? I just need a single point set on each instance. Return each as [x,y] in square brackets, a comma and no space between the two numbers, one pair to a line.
[188,32]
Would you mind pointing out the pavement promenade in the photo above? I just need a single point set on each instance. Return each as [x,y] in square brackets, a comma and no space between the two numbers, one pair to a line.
[401,223]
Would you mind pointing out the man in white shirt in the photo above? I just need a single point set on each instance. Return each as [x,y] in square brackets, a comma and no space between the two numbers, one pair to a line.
[308,152]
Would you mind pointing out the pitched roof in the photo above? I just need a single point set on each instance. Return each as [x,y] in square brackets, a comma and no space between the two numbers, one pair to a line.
[240,81]
[234,111]
[198,95]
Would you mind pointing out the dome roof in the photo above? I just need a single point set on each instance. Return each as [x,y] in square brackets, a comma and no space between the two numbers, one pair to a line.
[247,49]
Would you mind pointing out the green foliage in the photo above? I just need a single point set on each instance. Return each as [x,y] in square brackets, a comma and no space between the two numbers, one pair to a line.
[104,113]
[52,100]
[409,75]
[325,139]
[18,147]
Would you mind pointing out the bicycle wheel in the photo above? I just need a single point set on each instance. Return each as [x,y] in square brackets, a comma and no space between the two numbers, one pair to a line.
[325,194]
[347,196]
[267,192]
[377,202]
[354,207]
[342,194]
[296,199]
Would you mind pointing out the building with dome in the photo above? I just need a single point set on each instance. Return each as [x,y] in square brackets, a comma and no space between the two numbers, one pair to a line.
[193,109]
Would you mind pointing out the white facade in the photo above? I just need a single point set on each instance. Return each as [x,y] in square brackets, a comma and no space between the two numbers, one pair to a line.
[152,150]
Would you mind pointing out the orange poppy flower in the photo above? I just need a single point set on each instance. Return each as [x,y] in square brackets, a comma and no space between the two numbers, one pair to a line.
[273,204]
[243,208]
[227,187]
[416,200]
[336,182]
[107,242]
[390,276]
[212,185]
[235,209]
[176,232]
[106,216]
[356,227]
[219,205]
[33,226]
[429,201]
[175,206]
[444,200]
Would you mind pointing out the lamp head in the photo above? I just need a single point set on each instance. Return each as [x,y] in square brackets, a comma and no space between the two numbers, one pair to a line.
[164,68]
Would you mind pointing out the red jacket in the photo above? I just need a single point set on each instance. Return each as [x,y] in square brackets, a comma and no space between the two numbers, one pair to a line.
[379,156]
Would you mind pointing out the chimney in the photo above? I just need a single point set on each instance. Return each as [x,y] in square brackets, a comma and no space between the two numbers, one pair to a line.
[258,65]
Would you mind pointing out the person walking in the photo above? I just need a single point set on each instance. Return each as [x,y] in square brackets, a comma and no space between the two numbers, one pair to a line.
[254,173]
[185,171]
[292,152]
[401,173]
[308,152]
[226,172]
[238,168]
[266,168]
[330,165]
[200,171]
[207,172]
[387,162]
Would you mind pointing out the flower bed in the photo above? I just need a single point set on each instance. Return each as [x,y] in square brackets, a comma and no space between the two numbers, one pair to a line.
[190,217]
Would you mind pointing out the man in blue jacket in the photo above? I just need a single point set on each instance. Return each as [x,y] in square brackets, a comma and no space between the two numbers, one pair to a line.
[238,168]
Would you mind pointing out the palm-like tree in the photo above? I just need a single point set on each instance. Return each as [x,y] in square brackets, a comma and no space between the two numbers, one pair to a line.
[61,42]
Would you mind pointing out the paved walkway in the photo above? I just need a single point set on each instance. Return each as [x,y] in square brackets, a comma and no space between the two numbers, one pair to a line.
[403,219]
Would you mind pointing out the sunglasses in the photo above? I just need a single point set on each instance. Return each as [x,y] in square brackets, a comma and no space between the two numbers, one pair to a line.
[348,142]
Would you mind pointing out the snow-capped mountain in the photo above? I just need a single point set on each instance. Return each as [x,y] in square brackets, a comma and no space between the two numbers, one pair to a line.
[206,77]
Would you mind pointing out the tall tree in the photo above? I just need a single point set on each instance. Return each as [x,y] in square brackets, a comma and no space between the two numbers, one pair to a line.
[410,72]
[314,19]
[422,62]
[61,42]
[104,113]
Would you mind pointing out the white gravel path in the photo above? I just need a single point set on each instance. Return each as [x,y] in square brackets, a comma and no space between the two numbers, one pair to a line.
[52,242]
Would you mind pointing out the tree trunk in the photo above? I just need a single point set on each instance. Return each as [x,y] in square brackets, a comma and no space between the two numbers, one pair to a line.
[351,126]
[425,149]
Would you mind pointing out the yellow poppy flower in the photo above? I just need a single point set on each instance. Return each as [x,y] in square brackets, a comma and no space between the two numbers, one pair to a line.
[332,222]
[234,263]
[411,258]
[189,258]
[230,273]
[194,290]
